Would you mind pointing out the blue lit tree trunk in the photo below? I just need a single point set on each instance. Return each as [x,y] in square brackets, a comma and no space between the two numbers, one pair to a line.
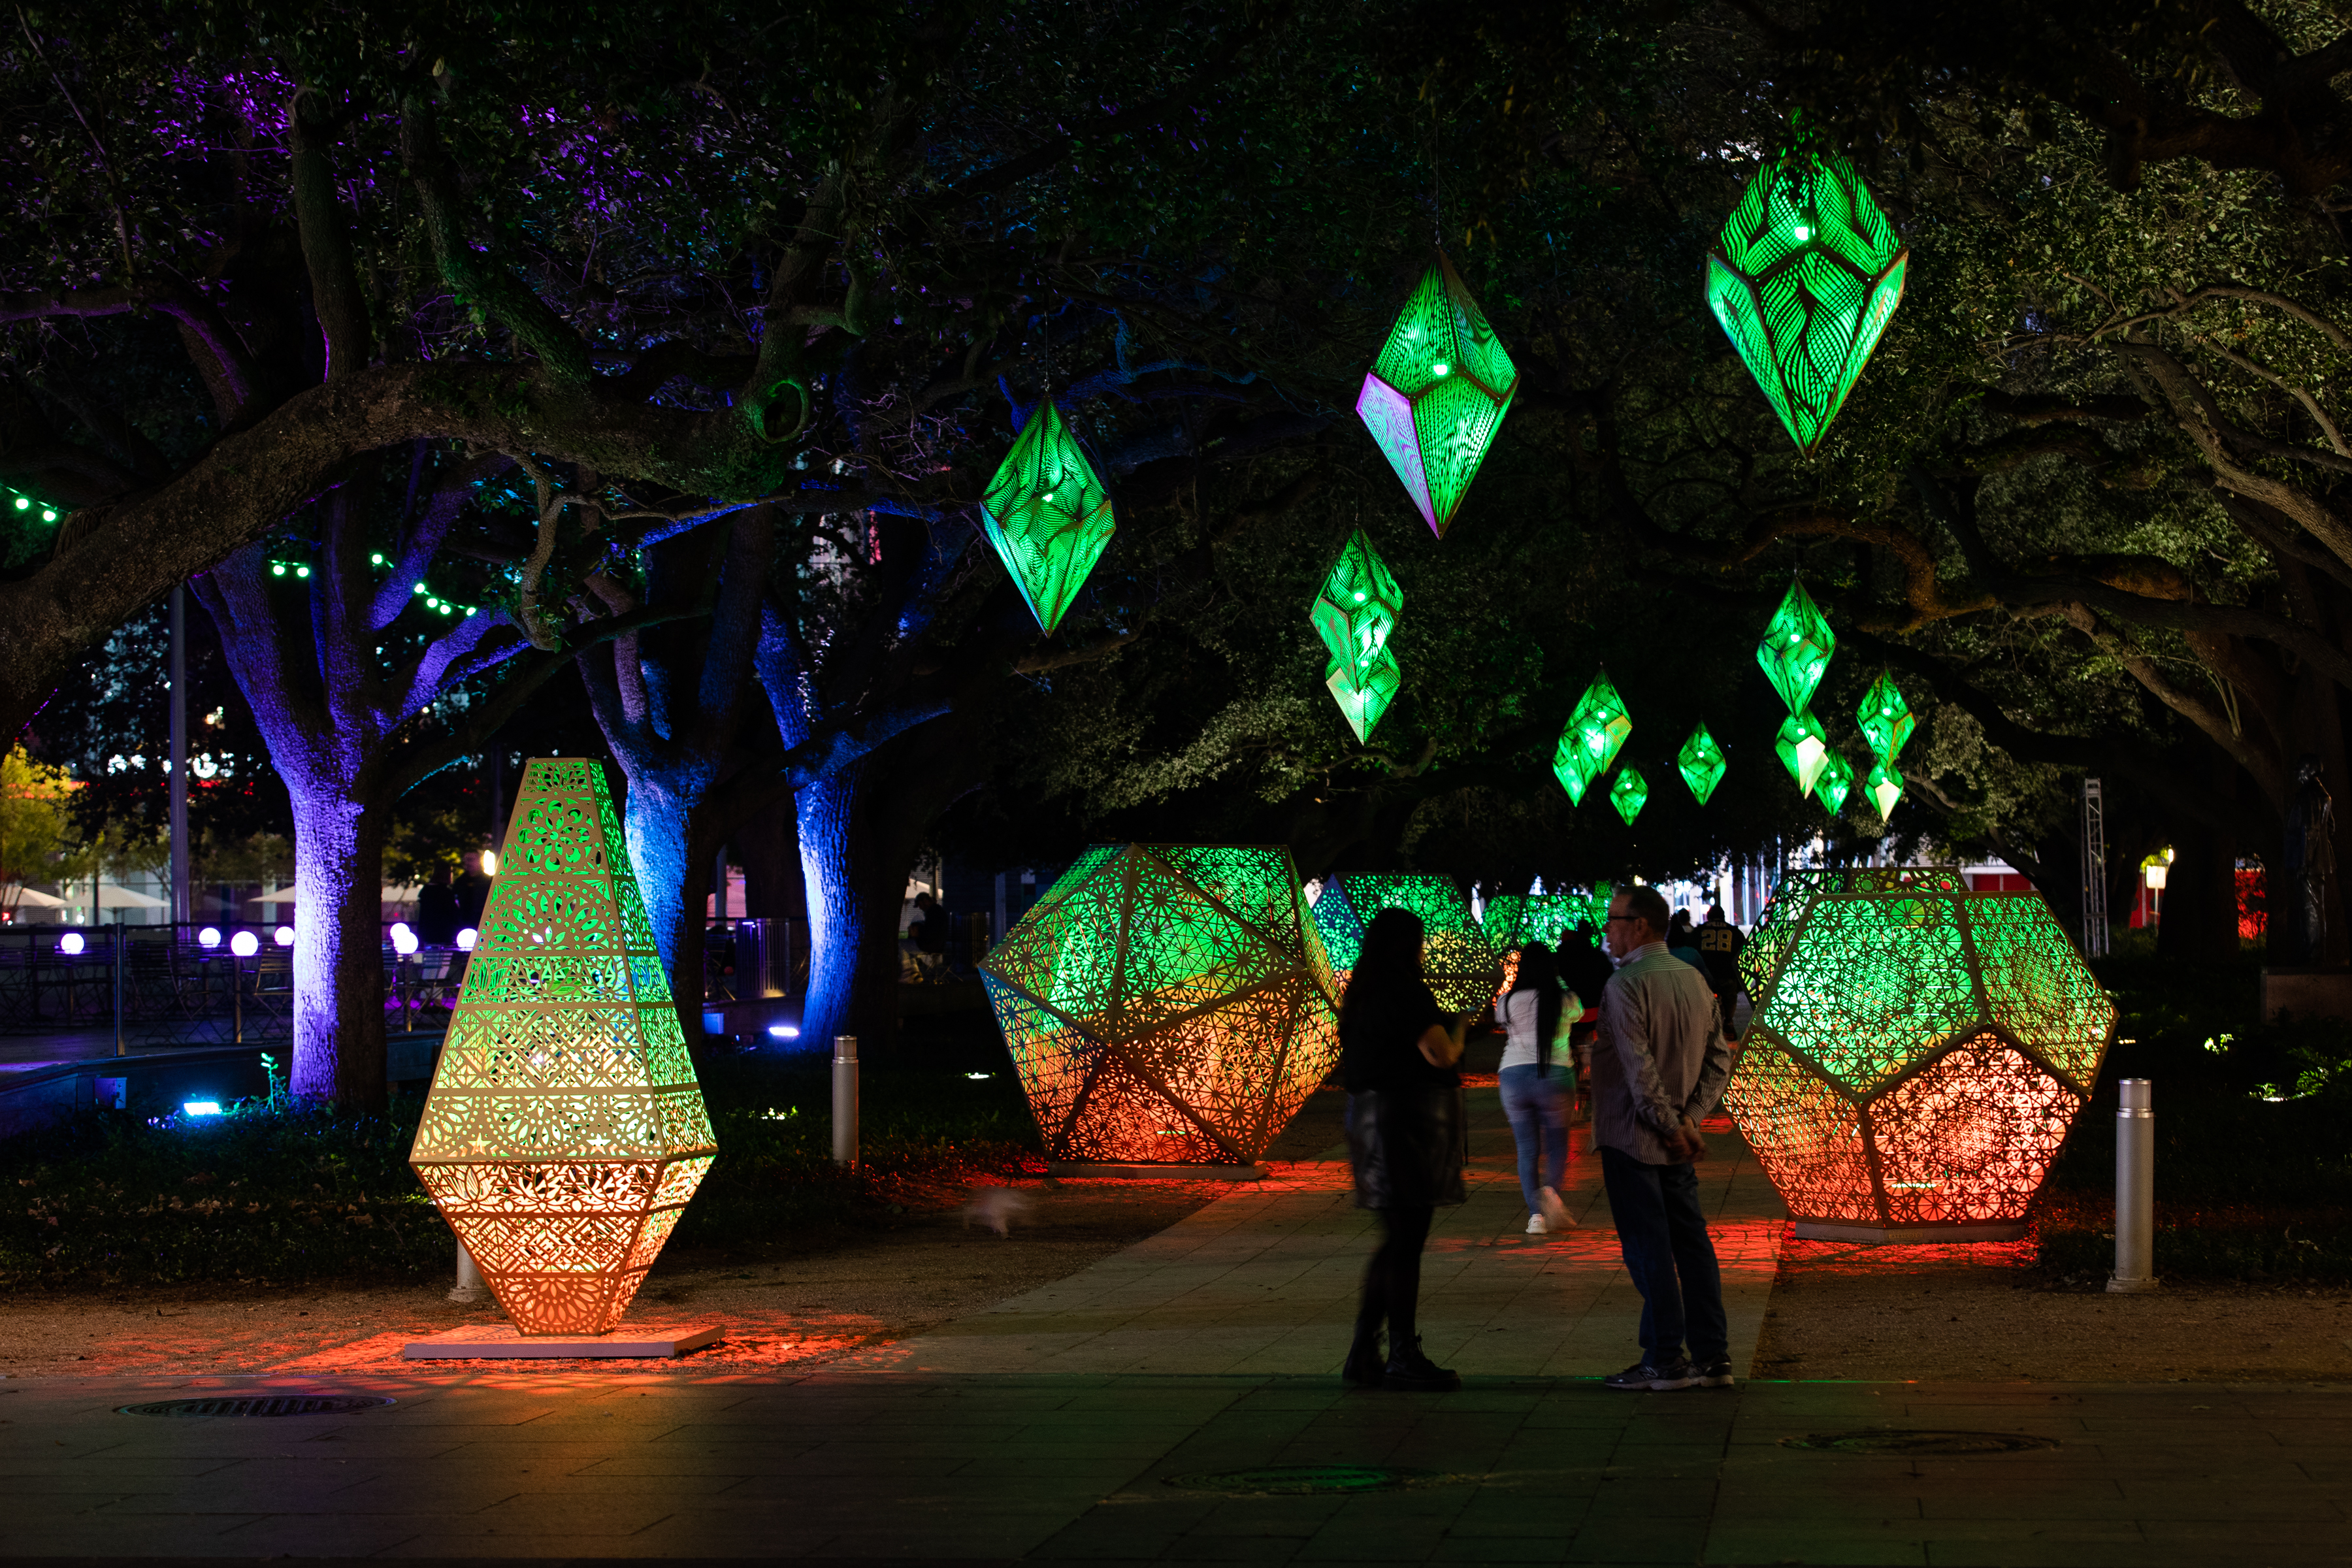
[839,929]
[670,700]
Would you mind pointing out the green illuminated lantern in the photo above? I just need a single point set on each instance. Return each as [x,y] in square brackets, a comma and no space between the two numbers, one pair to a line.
[1364,697]
[1795,652]
[1835,783]
[1355,611]
[1436,395]
[1803,279]
[1629,794]
[1701,763]
[1803,750]
[1589,744]
[1884,787]
[1885,718]
[1048,514]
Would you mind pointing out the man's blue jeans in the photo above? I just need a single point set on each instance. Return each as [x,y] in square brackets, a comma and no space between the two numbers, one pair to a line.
[1670,1256]
[1537,1108]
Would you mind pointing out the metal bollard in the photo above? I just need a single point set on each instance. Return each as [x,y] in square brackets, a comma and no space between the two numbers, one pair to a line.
[469,1287]
[2135,1190]
[844,1100]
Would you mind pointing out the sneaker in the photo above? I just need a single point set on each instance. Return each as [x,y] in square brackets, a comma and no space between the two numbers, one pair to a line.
[1363,1367]
[1555,1212]
[1536,1225]
[1410,1372]
[1714,1375]
[1679,1374]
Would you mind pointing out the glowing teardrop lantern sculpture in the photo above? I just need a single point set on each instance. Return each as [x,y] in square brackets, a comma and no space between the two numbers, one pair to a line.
[1884,787]
[1835,782]
[1047,515]
[1796,649]
[1355,613]
[1701,763]
[1589,744]
[1435,397]
[1630,793]
[1803,750]
[1803,279]
[1885,718]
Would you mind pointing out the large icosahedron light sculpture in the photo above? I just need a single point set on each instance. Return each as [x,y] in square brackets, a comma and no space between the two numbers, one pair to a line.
[1047,515]
[1460,965]
[1803,279]
[1355,613]
[1916,1057]
[1701,763]
[1436,395]
[1591,740]
[564,1131]
[1167,1004]
[1796,649]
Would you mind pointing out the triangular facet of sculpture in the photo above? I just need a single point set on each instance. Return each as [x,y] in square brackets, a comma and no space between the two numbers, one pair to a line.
[1363,698]
[1436,395]
[1167,1004]
[1701,764]
[1047,515]
[1803,279]
[1917,1054]
[1460,965]
[1885,719]
[564,1131]
[1796,649]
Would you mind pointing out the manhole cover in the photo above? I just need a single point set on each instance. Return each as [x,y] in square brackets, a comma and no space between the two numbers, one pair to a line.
[1285,1480]
[1919,1442]
[263,1404]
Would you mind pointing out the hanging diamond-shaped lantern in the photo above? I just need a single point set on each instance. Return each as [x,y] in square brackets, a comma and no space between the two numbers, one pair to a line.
[1795,652]
[1884,787]
[1886,722]
[1589,744]
[1356,611]
[1804,278]
[1048,514]
[1701,763]
[1630,793]
[1836,782]
[1364,697]
[1436,395]
[1805,750]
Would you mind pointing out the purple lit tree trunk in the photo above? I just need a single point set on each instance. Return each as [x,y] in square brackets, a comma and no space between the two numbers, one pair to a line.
[670,700]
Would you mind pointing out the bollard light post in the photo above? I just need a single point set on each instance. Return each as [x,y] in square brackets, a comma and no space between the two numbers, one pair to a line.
[2135,1190]
[845,1100]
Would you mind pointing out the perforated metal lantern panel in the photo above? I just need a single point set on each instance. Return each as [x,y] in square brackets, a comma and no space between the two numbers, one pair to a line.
[1803,279]
[1916,1056]
[1462,966]
[1794,893]
[1048,514]
[566,1130]
[1835,783]
[1354,613]
[1167,1003]
[1884,787]
[1363,696]
[1797,647]
[1514,919]
[1435,397]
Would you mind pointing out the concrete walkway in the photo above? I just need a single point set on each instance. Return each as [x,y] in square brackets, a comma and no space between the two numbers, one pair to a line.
[1266,1280]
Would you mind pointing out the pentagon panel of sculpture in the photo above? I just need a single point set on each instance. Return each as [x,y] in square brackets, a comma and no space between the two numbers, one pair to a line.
[1167,1004]
[1463,967]
[566,1130]
[1918,1052]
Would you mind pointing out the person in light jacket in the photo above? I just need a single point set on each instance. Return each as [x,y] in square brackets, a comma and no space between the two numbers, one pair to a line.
[1658,1070]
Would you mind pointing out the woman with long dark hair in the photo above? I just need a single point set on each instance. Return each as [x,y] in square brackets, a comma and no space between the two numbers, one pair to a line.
[1539,1079]
[1407,1137]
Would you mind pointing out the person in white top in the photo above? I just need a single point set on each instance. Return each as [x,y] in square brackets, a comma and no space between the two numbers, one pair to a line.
[1539,1079]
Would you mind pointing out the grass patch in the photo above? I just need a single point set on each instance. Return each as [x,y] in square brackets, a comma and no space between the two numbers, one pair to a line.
[280,1192]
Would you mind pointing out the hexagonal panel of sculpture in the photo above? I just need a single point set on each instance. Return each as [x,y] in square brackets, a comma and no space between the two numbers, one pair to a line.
[1871,984]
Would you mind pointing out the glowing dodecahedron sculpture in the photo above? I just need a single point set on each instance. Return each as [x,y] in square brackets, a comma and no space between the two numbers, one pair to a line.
[1803,750]
[1355,613]
[1591,740]
[1047,515]
[1167,1004]
[1885,719]
[1460,965]
[1630,793]
[1701,763]
[1835,783]
[1436,395]
[1803,279]
[1760,960]
[564,1131]
[1884,787]
[1917,1058]
[1796,649]
[1514,919]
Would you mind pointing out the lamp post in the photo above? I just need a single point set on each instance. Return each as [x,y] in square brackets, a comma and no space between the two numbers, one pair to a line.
[845,1100]
[2135,1189]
